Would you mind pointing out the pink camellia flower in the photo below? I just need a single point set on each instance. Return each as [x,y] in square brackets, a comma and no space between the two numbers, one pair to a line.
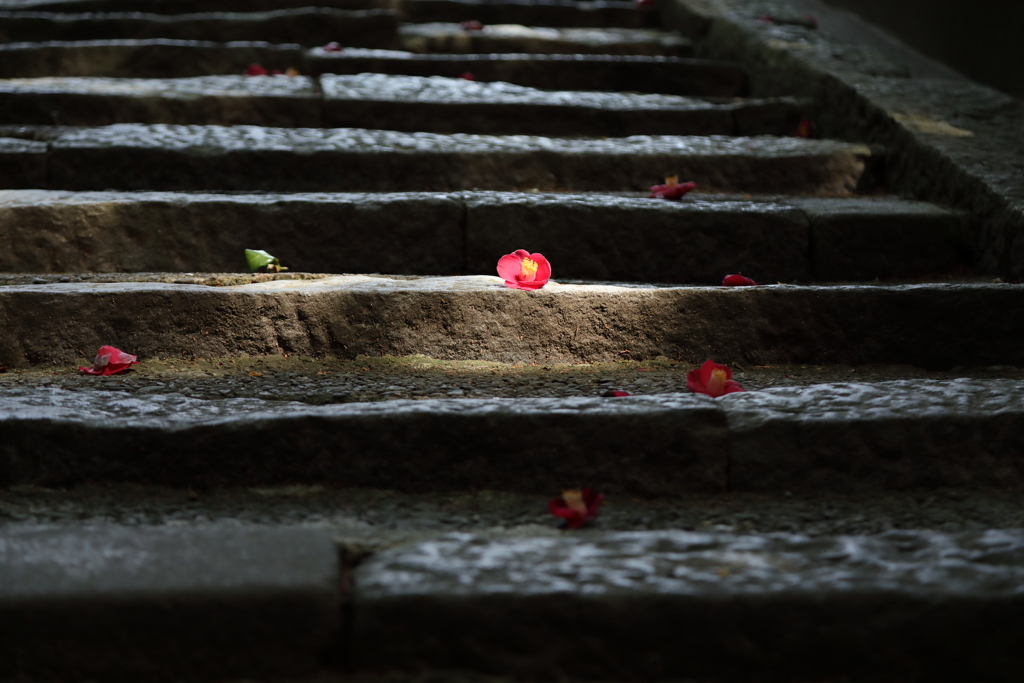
[672,189]
[110,361]
[523,270]
[712,379]
[576,507]
[256,70]
[737,280]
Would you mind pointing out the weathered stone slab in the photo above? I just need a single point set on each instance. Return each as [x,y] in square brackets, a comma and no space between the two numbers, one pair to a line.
[479,318]
[166,603]
[456,444]
[672,75]
[516,38]
[889,435]
[907,239]
[183,6]
[226,100]
[308,26]
[166,157]
[22,163]
[557,13]
[450,105]
[640,239]
[671,605]
[115,232]
[142,58]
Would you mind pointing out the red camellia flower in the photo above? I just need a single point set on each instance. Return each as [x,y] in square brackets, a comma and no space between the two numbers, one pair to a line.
[110,361]
[576,507]
[615,393]
[712,379]
[672,189]
[471,25]
[806,129]
[737,280]
[523,270]
[333,47]
[256,70]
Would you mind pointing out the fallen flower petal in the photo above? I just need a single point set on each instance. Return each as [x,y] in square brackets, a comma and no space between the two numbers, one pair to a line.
[576,507]
[737,280]
[806,129]
[672,189]
[523,270]
[110,361]
[467,76]
[255,70]
[615,393]
[471,25]
[333,47]
[712,379]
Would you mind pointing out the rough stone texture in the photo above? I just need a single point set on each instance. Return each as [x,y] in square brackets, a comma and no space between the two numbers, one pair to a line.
[479,318]
[515,38]
[118,232]
[669,605]
[850,437]
[182,6]
[167,157]
[905,239]
[557,13]
[407,445]
[226,100]
[22,163]
[141,58]
[639,239]
[308,26]
[456,105]
[671,75]
[166,603]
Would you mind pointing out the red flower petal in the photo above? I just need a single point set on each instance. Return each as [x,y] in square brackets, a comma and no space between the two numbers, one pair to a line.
[333,47]
[110,361]
[737,280]
[670,191]
[575,517]
[467,76]
[471,25]
[712,379]
[615,393]
[255,70]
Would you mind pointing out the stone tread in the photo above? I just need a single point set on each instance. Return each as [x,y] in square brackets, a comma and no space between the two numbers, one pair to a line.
[587,236]
[309,26]
[408,103]
[171,157]
[478,318]
[661,605]
[515,38]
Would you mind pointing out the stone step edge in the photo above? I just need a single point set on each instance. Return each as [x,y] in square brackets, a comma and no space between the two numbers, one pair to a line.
[786,239]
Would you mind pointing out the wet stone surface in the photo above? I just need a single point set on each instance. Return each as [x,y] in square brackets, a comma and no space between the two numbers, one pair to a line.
[451,38]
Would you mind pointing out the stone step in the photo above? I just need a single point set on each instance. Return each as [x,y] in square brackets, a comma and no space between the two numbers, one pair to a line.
[476,317]
[608,73]
[170,157]
[846,437]
[406,103]
[586,236]
[308,26]
[196,603]
[677,605]
[157,58]
[516,38]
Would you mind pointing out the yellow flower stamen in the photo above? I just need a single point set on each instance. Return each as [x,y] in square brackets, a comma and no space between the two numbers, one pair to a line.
[574,501]
[671,181]
[716,383]
[529,269]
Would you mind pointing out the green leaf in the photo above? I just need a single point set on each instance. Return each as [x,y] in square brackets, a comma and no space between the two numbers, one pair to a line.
[258,258]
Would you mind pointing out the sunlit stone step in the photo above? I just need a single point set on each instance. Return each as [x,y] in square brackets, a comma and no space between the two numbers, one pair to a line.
[159,58]
[516,38]
[663,605]
[407,103]
[609,73]
[168,157]
[476,317]
[309,26]
[586,236]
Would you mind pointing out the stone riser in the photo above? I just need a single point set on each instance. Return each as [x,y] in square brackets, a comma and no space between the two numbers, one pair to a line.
[160,157]
[404,103]
[180,59]
[451,38]
[310,27]
[597,237]
[478,318]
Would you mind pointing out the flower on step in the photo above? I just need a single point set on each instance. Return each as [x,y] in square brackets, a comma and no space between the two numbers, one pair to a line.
[523,270]
[672,189]
[576,507]
[256,70]
[110,361]
[737,280]
[467,76]
[471,25]
[712,379]
[615,393]
[333,47]
[806,129]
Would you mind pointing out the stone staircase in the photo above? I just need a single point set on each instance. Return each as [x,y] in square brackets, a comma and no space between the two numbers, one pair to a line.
[341,470]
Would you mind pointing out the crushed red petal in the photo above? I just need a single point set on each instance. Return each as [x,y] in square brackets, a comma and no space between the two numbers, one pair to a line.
[671,192]
[574,519]
[255,70]
[110,361]
[615,393]
[471,25]
[467,76]
[737,280]
[333,47]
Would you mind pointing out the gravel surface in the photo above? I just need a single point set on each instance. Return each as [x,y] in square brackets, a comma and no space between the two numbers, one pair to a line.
[321,381]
